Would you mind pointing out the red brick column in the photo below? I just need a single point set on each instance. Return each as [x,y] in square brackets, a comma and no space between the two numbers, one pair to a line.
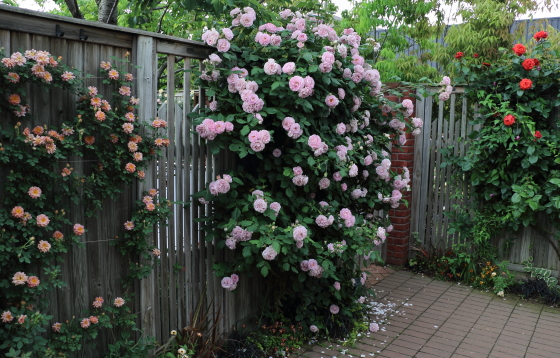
[398,240]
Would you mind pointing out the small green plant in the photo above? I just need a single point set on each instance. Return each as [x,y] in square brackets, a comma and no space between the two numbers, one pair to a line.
[278,339]
[541,273]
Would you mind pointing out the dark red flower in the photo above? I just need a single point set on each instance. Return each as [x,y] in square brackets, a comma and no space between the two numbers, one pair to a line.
[476,55]
[536,62]
[458,55]
[486,64]
[538,134]
[540,35]
[525,84]
[528,64]
[509,120]
[519,49]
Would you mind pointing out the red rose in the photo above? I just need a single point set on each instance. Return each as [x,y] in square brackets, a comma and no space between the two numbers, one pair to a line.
[538,134]
[476,55]
[509,120]
[528,64]
[525,84]
[458,55]
[540,35]
[519,49]
[536,62]
[486,64]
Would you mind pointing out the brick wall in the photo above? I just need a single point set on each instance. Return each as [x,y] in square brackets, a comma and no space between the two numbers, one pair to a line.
[398,240]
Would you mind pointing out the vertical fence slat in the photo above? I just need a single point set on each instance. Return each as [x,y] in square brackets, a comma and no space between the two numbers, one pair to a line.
[426,141]
[450,140]
[417,171]
[187,145]
[170,184]
[144,54]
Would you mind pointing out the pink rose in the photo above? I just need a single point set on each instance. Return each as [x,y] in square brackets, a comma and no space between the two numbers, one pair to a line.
[334,309]
[223,45]
[296,83]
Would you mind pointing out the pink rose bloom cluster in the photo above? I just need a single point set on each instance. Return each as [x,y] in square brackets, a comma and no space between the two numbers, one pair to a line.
[220,186]
[272,68]
[325,31]
[346,215]
[221,41]
[396,124]
[238,234]
[312,268]
[269,253]
[270,28]
[230,283]
[417,123]
[446,89]
[209,129]
[331,101]
[353,172]
[337,247]
[340,128]
[244,18]
[265,39]
[275,206]
[299,179]
[294,130]
[258,139]
[260,205]
[381,233]
[324,183]
[317,145]
[299,234]
[408,107]
[323,221]
[341,152]
[327,62]
[359,193]
[363,279]
[400,182]
[304,86]
[357,103]
[383,169]
[350,37]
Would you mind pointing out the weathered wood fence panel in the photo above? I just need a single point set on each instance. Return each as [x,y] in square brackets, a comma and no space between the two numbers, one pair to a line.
[436,191]
[166,299]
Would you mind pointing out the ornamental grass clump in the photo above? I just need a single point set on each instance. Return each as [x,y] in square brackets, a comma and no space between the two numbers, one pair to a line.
[312,132]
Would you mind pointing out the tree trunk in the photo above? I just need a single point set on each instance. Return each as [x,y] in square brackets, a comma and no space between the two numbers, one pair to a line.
[108,11]
[74,8]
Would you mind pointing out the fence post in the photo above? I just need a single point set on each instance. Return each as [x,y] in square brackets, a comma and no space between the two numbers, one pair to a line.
[398,239]
[144,52]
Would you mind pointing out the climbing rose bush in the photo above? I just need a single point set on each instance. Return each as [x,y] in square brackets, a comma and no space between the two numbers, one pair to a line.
[512,163]
[305,114]
[41,192]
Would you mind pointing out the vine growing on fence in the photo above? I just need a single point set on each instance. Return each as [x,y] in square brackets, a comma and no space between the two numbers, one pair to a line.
[305,114]
[41,193]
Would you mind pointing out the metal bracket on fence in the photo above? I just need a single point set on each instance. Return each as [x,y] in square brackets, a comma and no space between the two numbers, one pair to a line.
[58,32]
[83,36]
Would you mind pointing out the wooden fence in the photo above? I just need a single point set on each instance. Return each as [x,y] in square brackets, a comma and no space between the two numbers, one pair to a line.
[436,192]
[166,299]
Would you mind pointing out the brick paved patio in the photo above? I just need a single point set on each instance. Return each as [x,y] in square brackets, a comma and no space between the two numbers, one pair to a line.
[421,317]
